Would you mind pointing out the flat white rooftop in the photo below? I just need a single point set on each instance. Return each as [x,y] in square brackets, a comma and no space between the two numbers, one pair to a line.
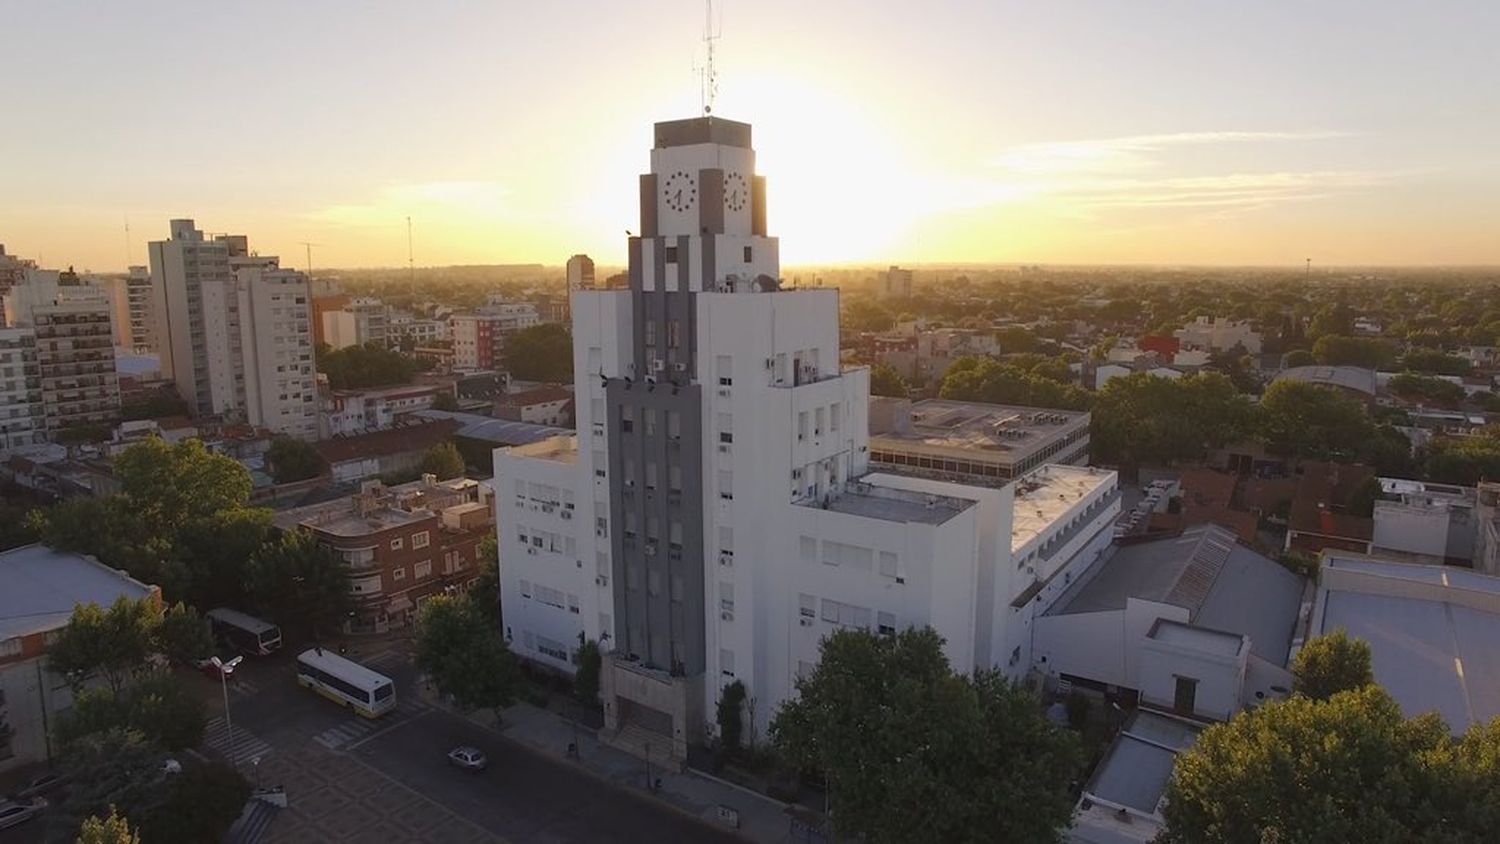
[42,586]
[1043,496]
[1434,633]
[892,505]
[942,426]
[1198,638]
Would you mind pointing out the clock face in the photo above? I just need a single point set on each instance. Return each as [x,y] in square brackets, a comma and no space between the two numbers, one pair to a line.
[681,191]
[736,194]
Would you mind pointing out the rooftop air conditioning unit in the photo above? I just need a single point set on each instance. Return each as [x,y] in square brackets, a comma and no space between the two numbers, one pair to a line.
[658,365]
[806,622]
[726,616]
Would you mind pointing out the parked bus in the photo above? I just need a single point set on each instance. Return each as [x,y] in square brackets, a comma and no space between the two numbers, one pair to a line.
[345,681]
[246,633]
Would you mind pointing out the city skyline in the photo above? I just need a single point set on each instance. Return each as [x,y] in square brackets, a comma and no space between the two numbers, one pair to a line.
[1354,135]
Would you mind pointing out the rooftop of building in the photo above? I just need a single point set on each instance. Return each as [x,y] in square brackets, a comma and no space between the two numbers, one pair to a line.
[1353,378]
[943,424]
[562,449]
[1223,585]
[1135,770]
[1426,493]
[473,426]
[543,394]
[402,438]
[869,499]
[1434,632]
[42,586]
[377,507]
[388,392]
[1320,506]
[1204,639]
[1043,496]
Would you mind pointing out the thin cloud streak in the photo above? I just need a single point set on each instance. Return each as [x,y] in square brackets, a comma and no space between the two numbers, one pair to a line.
[1127,153]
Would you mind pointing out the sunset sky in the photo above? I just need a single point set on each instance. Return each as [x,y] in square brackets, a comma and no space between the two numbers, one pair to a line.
[1065,132]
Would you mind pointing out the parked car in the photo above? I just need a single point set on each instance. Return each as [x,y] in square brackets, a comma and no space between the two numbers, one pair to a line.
[227,662]
[468,758]
[13,812]
[44,784]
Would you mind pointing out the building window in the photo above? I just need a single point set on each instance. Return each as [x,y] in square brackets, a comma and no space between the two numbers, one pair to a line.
[726,597]
[726,662]
[802,425]
[808,606]
[525,589]
[669,254]
[422,569]
[1185,695]
[398,573]
[747,254]
[397,544]
[834,412]
[886,623]
[888,564]
[419,539]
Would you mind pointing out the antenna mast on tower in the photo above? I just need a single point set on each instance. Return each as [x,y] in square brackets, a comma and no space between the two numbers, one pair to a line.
[411,264]
[710,80]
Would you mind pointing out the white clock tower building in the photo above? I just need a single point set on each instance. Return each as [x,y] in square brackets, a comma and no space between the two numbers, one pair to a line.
[712,519]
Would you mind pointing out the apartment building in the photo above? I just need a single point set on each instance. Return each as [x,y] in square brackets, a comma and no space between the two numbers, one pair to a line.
[716,515]
[180,266]
[1219,334]
[72,322]
[402,544]
[479,337]
[22,420]
[139,314]
[580,272]
[361,321]
[348,412]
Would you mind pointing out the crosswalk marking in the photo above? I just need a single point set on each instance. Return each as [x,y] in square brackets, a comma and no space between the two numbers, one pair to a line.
[357,728]
[382,659]
[245,744]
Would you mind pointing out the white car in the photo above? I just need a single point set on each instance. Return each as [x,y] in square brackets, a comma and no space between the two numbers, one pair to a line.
[12,813]
[468,758]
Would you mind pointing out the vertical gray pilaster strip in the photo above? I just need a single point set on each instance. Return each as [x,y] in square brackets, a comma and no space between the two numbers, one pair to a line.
[711,201]
[648,205]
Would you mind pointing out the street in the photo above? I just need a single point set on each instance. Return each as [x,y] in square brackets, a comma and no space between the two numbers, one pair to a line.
[389,779]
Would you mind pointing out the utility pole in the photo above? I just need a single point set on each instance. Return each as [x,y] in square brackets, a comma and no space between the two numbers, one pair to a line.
[309,247]
[411,264]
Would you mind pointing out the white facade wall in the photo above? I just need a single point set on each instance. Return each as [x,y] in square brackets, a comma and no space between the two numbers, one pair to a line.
[1101,646]
[275,345]
[21,410]
[1412,530]
[1220,677]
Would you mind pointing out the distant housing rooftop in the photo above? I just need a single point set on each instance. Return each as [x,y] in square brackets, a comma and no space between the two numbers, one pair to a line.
[378,507]
[42,586]
[972,439]
[1434,632]
[1353,378]
[1223,585]
[489,429]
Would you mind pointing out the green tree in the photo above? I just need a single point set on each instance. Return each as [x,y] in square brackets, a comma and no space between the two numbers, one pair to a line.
[913,751]
[166,486]
[444,461]
[1339,350]
[216,551]
[729,714]
[541,353]
[17,528]
[156,706]
[1014,380]
[586,680]
[1013,338]
[1145,419]
[445,401]
[183,635]
[863,315]
[200,804]
[112,644]
[485,592]
[370,365]
[1464,460]
[1305,420]
[293,460]
[1426,390]
[112,829]
[886,381]
[464,656]
[1435,362]
[300,584]
[1298,357]
[1332,663]
[115,769]
[1345,770]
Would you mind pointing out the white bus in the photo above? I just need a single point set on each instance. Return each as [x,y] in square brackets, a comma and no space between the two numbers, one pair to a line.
[346,682]
[245,632]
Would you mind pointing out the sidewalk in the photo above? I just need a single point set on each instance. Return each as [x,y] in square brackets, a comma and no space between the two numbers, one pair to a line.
[761,819]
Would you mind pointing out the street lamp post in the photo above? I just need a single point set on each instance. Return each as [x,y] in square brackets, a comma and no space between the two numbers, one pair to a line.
[224,668]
